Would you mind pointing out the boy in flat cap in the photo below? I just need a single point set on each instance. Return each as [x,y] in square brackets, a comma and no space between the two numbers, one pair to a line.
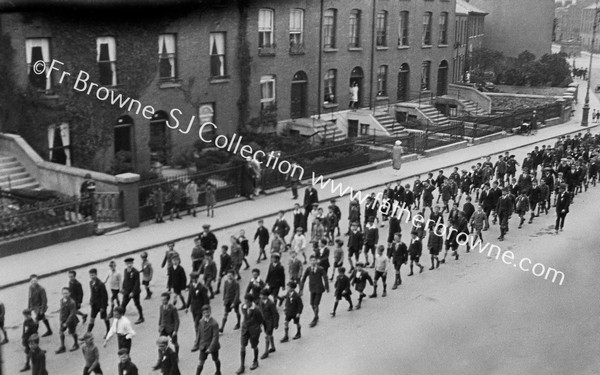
[207,340]
[131,289]
[91,355]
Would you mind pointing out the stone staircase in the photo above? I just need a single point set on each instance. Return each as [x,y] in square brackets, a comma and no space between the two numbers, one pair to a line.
[329,131]
[471,108]
[13,175]
[431,113]
[389,123]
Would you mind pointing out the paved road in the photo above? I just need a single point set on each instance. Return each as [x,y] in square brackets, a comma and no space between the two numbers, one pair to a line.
[474,316]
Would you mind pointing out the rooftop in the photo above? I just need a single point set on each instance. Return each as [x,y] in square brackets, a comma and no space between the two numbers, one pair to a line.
[463,7]
[35,5]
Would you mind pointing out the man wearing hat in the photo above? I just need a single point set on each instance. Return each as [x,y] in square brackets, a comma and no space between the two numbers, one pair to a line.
[563,202]
[168,319]
[197,299]
[310,197]
[86,193]
[90,355]
[275,277]
[207,340]
[98,300]
[208,240]
[126,367]
[131,289]
[504,208]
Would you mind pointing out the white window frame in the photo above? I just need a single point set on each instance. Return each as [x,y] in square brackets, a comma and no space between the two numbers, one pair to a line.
[269,80]
[112,55]
[330,29]
[354,29]
[221,52]
[427,28]
[266,22]
[296,27]
[170,52]
[381,26]
[44,43]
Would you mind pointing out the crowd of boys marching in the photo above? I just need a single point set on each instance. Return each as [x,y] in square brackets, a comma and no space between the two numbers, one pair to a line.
[566,170]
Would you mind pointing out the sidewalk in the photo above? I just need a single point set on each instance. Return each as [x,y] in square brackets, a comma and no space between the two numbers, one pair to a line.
[80,253]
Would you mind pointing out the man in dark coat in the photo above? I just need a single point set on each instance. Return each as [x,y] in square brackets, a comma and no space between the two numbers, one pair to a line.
[208,240]
[281,226]
[98,300]
[177,281]
[262,234]
[38,303]
[504,208]
[317,284]
[275,277]
[76,291]
[270,321]
[310,197]
[207,340]
[131,289]
[248,179]
[563,202]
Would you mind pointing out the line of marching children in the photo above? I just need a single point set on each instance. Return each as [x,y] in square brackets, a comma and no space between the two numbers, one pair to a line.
[568,168]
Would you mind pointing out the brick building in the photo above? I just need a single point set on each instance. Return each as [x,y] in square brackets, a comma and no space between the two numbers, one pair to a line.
[527,25]
[468,36]
[303,57]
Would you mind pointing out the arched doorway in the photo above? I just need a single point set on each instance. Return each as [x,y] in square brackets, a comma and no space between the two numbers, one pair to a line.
[123,134]
[299,90]
[357,76]
[442,78]
[403,92]
[158,137]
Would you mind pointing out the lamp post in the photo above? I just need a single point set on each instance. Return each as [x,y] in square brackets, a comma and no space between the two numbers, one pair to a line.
[586,105]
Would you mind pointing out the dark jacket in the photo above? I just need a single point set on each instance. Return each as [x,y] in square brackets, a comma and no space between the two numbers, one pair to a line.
[355,240]
[225,264]
[197,297]
[168,319]
[98,294]
[263,236]
[324,258]
[360,281]
[168,362]
[177,279]
[269,313]
[208,335]
[29,328]
[398,252]
[394,228]
[563,202]
[342,286]
[38,362]
[317,280]
[127,368]
[310,197]
[293,304]
[254,287]
[253,320]
[38,302]
[415,248]
[131,281]
[68,310]
[208,241]
[231,292]
[504,206]
[76,291]
[281,226]
[276,276]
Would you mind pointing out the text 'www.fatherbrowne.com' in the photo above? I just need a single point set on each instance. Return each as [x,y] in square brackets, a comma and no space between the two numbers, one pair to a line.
[385,207]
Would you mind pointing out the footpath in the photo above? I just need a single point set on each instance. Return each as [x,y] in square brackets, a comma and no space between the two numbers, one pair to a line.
[59,258]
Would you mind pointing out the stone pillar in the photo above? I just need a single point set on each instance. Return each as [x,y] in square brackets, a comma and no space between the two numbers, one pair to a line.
[129,189]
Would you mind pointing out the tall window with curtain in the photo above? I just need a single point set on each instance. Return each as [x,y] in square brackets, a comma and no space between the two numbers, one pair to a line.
[403,29]
[330,96]
[354,28]
[329,28]
[427,28]
[107,60]
[296,27]
[381,29]
[443,39]
[425,75]
[167,58]
[218,66]
[265,28]
[382,73]
[36,50]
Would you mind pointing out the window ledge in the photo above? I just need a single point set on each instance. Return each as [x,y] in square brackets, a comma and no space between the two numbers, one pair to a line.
[49,96]
[426,46]
[169,83]
[382,48]
[330,105]
[381,98]
[403,47]
[219,80]
[330,49]
[355,49]
[442,45]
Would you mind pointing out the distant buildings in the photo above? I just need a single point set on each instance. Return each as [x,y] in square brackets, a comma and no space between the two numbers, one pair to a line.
[513,26]
[469,34]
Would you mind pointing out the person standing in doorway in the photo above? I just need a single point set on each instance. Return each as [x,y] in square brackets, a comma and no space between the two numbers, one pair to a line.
[353,96]
[397,155]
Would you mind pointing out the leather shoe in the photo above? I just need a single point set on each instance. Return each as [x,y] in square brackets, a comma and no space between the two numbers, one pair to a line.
[139,321]
[254,366]
[74,348]
[195,349]
[48,333]
[26,368]
[264,356]
[297,336]
[60,350]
